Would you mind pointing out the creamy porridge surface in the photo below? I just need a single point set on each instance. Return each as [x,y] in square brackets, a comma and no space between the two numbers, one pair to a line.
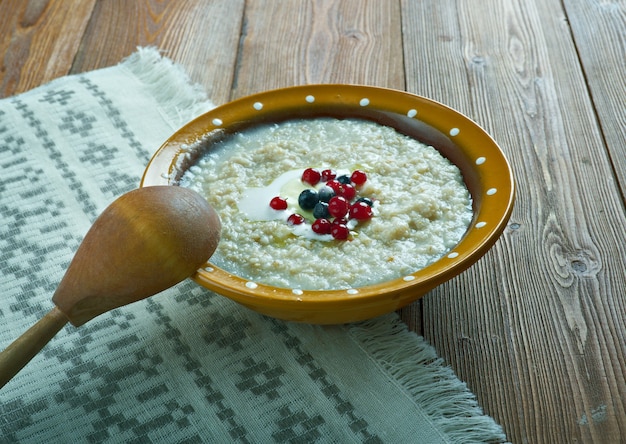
[422,207]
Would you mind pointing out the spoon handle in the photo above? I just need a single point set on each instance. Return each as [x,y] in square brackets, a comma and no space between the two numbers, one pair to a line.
[24,348]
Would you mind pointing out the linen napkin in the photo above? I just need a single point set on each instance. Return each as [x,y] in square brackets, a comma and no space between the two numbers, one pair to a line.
[186,365]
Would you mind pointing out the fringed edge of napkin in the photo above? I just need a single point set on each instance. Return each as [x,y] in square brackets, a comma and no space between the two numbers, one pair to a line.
[447,401]
[170,85]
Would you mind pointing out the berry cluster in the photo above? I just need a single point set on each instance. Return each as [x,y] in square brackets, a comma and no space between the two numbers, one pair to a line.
[333,203]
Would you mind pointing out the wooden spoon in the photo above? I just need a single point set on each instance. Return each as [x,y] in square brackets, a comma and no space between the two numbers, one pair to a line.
[145,242]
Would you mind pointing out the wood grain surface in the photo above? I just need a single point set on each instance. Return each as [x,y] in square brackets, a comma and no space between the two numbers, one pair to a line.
[599,31]
[38,41]
[544,331]
[537,328]
[319,42]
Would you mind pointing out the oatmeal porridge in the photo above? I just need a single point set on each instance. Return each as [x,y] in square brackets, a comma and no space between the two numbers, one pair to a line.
[413,205]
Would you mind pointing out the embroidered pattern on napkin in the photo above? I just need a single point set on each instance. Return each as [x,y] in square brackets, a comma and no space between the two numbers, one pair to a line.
[186,365]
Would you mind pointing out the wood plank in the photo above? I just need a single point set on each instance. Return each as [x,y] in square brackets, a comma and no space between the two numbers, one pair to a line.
[39,40]
[603,57]
[319,42]
[541,317]
[201,36]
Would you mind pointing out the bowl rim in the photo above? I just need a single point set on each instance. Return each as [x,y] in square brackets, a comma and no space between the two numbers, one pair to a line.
[487,224]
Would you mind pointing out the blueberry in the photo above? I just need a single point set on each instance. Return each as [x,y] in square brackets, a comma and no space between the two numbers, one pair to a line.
[366,200]
[307,199]
[345,179]
[321,210]
[326,193]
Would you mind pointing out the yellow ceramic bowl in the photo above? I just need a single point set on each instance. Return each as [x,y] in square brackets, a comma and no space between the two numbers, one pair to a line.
[486,172]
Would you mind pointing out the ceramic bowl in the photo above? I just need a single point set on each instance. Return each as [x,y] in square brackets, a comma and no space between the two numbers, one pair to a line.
[486,172]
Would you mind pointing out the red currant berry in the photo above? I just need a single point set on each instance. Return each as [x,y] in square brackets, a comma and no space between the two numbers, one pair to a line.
[328,175]
[340,231]
[321,226]
[311,176]
[338,206]
[358,177]
[361,211]
[295,219]
[278,203]
[335,186]
[340,221]
[348,191]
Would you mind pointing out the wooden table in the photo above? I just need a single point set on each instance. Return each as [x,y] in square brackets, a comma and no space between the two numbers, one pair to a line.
[537,328]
